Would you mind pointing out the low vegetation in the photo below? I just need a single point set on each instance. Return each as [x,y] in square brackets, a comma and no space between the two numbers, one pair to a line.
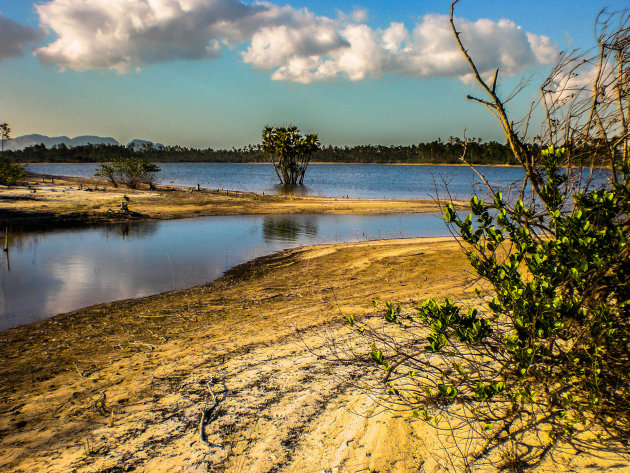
[543,357]
[130,171]
[10,172]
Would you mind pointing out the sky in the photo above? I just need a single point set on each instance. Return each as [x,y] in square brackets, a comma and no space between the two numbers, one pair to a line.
[212,73]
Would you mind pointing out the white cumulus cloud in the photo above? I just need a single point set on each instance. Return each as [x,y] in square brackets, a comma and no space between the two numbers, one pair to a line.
[119,34]
[301,36]
[292,44]
[429,50]
[14,36]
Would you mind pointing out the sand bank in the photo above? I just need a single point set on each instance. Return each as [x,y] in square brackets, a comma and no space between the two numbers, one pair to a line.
[53,201]
[122,386]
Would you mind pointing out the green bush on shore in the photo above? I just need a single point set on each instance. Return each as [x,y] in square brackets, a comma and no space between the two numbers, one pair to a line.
[10,172]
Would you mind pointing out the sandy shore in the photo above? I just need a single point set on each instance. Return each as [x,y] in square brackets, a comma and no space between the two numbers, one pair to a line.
[53,201]
[122,386]
[123,383]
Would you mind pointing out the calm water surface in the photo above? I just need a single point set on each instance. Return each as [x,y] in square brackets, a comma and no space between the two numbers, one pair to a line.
[329,180]
[59,271]
[54,272]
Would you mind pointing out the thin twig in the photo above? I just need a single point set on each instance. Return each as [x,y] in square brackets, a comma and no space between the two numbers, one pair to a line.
[78,371]
[205,416]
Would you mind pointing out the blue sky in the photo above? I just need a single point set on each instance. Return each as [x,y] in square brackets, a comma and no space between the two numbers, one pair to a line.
[214,72]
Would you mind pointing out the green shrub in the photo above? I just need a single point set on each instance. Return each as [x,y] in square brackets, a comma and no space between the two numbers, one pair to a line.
[10,173]
[130,171]
[545,353]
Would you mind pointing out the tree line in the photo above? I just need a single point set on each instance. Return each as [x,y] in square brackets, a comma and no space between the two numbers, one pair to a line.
[434,152]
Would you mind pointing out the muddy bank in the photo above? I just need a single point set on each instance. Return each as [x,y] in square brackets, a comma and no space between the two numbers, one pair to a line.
[49,201]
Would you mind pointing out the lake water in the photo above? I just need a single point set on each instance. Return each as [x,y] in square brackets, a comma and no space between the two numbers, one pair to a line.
[361,181]
[53,272]
[59,271]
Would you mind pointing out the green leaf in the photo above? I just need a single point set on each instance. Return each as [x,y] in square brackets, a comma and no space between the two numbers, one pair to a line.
[447,391]
[377,356]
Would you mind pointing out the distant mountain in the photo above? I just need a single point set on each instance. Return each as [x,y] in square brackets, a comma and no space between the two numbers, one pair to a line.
[94,140]
[24,141]
[30,140]
[139,144]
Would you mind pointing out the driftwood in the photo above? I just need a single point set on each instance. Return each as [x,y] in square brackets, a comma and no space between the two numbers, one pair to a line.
[161,337]
[208,413]
[148,345]
[205,416]
[158,316]
[100,404]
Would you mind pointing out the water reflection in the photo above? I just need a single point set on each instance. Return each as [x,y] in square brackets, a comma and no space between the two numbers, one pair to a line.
[288,228]
[130,229]
[289,190]
[7,258]
[18,239]
[21,240]
[63,270]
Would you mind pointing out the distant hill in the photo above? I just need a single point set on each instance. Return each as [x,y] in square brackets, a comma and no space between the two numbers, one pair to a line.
[21,142]
[139,144]
[25,141]
[94,140]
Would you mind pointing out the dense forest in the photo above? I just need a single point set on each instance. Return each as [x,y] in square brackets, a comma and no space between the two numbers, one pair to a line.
[438,151]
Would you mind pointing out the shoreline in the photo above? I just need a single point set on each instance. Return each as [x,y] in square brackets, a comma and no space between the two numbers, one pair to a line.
[311,163]
[239,374]
[45,201]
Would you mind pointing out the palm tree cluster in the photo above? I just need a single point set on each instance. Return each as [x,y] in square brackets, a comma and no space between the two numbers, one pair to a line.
[290,152]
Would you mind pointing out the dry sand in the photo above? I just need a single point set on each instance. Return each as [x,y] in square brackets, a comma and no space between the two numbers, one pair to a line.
[121,385]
